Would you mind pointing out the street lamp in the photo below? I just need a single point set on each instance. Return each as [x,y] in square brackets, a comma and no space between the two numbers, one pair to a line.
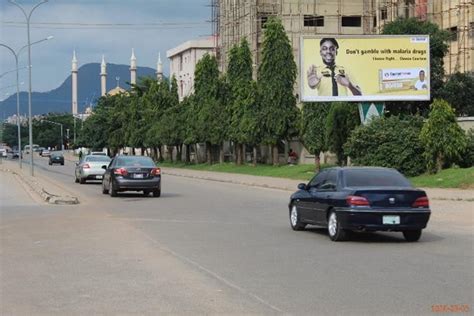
[30,121]
[62,137]
[16,54]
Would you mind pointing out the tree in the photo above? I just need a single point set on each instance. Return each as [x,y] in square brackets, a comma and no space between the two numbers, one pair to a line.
[276,80]
[313,130]
[243,112]
[459,92]
[442,136]
[438,49]
[210,110]
[392,142]
[341,120]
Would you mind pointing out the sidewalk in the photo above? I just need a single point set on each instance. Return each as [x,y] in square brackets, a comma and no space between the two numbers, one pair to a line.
[41,185]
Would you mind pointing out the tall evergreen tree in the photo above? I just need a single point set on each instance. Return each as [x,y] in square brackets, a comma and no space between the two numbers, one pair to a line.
[313,130]
[276,80]
[244,116]
[210,110]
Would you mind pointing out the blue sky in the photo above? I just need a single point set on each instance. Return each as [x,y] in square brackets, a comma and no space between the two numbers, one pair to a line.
[90,27]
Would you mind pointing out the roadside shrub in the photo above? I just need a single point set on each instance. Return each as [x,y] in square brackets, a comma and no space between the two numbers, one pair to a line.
[467,156]
[391,142]
[443,138]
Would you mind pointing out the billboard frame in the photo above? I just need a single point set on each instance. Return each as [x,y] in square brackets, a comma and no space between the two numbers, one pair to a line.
[362,98]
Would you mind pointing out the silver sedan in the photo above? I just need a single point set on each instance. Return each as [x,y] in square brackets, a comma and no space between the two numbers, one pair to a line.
[91,167]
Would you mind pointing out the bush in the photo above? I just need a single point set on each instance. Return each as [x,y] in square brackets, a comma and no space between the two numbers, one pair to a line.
[467,156]
[389,142]
[443,138]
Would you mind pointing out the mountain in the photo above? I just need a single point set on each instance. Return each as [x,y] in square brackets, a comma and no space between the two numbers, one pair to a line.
[59,100]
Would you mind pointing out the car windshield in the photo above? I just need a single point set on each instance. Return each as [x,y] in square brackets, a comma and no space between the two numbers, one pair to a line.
[375,178]
[97,159]
[56,154]
[135,161]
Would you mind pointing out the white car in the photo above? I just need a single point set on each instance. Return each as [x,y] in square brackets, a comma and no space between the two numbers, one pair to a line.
[91,168]
[3,152]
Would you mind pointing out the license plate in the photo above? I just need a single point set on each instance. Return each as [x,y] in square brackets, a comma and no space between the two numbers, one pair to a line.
[138,175]
[391,220]
[98,177]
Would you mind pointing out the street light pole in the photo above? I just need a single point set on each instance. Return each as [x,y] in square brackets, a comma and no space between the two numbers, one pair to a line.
[18,121]
[30,120]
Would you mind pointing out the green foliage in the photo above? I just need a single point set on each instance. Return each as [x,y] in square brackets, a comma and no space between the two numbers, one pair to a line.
[438,44]
[244,125]
[48,134]
[467,156]
[276,80]
[313,130]
[211,125]
[438,49]
[443,138]
[391,142]
[341,120]
[459,92]
[9,134]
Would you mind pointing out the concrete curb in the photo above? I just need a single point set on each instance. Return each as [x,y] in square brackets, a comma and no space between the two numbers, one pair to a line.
[36,187]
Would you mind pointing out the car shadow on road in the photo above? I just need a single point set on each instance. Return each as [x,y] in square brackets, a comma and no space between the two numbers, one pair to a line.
[135,196]
[378,237]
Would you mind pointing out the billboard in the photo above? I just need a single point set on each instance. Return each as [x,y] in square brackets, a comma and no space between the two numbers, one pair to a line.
[364,68]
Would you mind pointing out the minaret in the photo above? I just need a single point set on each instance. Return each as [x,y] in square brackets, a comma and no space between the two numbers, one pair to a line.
[74,83]
[103,77]
[159,68]
[133,68]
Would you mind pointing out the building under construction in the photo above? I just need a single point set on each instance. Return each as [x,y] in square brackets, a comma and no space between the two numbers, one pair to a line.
[234,19]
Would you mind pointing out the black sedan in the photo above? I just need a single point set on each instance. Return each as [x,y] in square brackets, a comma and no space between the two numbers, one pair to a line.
[132,173]
[56,157]
[360,199]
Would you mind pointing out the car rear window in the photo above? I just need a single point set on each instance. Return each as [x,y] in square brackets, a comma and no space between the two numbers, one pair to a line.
[56,154]
[98,159]
[375,178]
[135,161]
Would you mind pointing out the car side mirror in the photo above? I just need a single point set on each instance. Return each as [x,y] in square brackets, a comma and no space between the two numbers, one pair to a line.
[104,167]
[302,186]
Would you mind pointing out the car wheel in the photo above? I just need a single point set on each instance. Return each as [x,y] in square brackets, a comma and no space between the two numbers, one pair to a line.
[104,190]
[146,192]
[157,193]
[412,235]
[112,191]
[50,164]
[82,180]
[295,221]
[62,163]
[336,233]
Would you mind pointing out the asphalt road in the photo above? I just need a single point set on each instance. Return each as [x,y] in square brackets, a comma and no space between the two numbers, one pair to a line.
[215,248]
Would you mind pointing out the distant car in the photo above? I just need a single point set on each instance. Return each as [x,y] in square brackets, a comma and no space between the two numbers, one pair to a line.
[56,157]
[360,199]
[3,152]
[91,168]
[14,154]
[98,153]
[132,173]
[45,153]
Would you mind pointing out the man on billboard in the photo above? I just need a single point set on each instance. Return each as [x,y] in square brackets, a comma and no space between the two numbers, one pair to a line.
[331,79]
[421,84]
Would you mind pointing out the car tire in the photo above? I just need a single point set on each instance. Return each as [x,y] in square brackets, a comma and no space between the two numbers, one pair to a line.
[295,221]
[104,190]
[146,192]
[157,193]
[82,180]
[50,164]
[412,235]
[112,191]
[62,163]
[336,233]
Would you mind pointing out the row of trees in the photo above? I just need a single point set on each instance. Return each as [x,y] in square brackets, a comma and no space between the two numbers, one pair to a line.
[234,107]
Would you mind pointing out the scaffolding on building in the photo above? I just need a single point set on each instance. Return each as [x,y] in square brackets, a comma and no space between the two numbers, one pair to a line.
[235,19]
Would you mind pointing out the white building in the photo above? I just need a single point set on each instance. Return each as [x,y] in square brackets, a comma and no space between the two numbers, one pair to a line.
[183,60]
